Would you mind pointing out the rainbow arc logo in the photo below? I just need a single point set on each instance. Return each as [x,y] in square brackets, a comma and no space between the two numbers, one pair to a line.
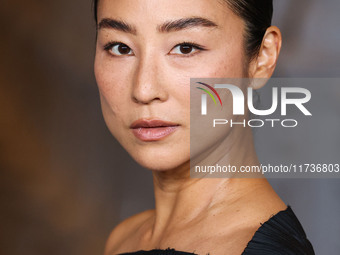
[204,96]
[209,93]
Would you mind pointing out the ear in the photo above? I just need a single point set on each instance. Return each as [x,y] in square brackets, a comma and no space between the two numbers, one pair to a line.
[264,65]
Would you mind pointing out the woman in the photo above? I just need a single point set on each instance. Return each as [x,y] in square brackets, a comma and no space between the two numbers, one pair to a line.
[146,53]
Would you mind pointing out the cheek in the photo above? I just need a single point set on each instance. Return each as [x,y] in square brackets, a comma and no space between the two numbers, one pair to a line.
[226,60]
[111,73]
[112,84]
[114,96]
[111,98]
[228,64]
[222,64]
[108,75]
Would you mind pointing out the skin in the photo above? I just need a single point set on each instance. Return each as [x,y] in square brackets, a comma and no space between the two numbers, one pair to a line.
[213,216]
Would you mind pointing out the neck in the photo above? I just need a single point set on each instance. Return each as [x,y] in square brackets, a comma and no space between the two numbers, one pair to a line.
[180,199]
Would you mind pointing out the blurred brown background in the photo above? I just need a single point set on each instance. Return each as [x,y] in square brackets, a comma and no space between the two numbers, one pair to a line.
[60,191]
[64,181]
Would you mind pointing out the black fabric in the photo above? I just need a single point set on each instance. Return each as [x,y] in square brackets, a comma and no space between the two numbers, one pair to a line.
[282,234]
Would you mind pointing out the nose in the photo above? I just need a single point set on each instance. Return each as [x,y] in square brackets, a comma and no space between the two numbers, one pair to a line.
[147,87]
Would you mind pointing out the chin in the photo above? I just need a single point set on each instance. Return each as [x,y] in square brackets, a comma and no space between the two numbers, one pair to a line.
[157,159]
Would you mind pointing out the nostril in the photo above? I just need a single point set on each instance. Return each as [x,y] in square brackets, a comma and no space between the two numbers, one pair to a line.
[147,94]
[144,101]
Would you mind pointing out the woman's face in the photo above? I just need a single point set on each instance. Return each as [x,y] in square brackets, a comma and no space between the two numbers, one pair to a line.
[146,53]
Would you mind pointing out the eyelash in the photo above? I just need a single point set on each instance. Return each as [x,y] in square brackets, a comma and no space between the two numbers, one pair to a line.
[109,45]
[191,44]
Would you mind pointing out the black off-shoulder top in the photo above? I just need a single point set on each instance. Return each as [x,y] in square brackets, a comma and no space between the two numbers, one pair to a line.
[282,234]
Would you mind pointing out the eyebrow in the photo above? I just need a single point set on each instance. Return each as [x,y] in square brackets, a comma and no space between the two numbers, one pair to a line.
[180,24]
[117,25]
[168,26]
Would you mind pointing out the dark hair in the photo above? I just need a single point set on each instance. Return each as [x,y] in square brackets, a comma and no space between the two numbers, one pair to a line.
[257,15]
[95,10]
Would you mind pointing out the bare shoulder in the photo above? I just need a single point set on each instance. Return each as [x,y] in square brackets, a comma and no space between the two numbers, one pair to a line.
[124,229]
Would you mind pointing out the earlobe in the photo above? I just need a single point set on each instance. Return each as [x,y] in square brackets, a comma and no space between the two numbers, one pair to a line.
[264,65]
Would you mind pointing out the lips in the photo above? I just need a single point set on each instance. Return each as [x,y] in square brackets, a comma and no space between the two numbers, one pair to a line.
[153,130]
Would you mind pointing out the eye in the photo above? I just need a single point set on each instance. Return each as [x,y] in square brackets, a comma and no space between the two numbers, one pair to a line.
[186,49]
[118,49]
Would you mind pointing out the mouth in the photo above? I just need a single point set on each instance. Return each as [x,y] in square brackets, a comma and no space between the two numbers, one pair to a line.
[153,130]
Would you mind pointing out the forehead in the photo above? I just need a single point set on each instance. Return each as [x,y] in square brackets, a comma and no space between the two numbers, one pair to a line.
[150,13]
